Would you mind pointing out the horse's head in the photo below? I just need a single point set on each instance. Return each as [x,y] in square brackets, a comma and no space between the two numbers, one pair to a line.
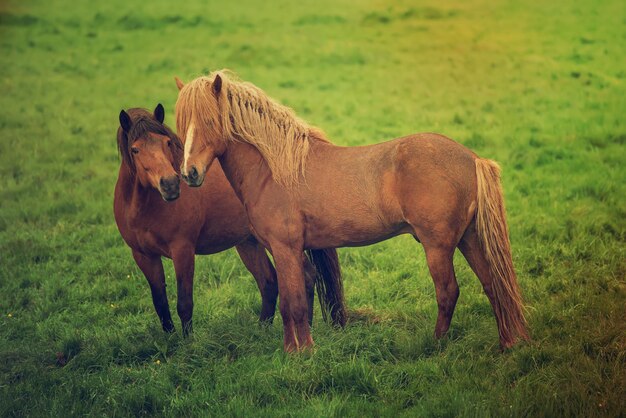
[199,125]
[151,150]
[215,111]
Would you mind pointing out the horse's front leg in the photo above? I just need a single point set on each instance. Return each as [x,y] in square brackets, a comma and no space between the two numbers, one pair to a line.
[258,263]
[310,274]
[183,257]
[294,306]
[152,268]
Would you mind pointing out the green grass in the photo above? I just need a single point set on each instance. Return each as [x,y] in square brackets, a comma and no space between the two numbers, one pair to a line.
[539,88]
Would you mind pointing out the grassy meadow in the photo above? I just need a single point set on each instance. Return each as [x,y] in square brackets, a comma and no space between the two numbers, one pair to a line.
[538,86]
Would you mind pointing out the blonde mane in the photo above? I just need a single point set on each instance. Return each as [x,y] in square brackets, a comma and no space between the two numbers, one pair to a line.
[243,112]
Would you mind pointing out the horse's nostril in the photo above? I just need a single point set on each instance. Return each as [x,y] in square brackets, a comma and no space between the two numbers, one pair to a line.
[169,184]
[193,173]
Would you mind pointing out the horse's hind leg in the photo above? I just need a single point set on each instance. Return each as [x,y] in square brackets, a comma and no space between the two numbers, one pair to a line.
[439,259]
[471,249]
[258,263]
[152,269]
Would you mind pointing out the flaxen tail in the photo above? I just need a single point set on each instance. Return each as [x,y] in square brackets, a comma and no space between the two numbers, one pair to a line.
[493,235]
[329,285]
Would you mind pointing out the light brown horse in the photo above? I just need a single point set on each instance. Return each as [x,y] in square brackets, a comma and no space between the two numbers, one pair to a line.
[158,217]
[300,191]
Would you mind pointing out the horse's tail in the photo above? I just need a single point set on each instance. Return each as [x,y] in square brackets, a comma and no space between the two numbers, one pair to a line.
[493,235]
[329,284]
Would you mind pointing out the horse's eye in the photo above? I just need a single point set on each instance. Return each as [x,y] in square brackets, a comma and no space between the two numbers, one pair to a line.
[134,150]
[169,143]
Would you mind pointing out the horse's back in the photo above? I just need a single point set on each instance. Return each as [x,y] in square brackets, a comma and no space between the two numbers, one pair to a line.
[433,148]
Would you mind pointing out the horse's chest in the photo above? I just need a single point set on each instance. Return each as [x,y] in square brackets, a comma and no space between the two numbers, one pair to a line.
[150,242]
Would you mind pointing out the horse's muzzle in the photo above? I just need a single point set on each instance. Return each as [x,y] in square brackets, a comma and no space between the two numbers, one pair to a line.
[193,177]
[169,188]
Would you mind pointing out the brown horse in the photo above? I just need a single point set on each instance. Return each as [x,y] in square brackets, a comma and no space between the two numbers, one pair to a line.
[300,191]
[157,217]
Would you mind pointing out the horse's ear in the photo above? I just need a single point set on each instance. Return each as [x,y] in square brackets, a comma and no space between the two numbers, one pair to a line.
[125,121]
[159,113]
[179,83]
[217,85]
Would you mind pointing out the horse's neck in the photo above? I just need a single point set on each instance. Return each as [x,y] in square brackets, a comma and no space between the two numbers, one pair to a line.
[125,183]
[245,169]
[135,197]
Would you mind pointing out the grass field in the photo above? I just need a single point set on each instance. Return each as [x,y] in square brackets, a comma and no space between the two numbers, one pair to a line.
[541,88]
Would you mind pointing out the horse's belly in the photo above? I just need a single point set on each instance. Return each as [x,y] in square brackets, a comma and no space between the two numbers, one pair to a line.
[218,235]
[352,232]
[214,247]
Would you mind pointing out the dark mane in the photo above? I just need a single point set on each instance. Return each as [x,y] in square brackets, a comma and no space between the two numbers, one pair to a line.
[144,124]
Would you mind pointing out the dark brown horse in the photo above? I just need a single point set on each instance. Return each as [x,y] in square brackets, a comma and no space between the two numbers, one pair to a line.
[300,191]
[159,217]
